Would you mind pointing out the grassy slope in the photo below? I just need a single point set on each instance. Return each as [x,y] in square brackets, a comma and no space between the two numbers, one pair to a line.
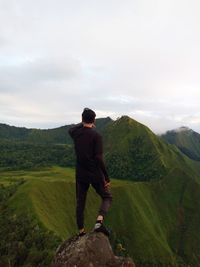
[156,220]
[141,152]
[57,135]
[187,141]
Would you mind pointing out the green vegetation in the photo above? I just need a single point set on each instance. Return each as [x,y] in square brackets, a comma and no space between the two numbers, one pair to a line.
[156,205]
[155,222]
[24,241]
[187,140]
[43,136]
[23,148]
[25,155]
[134,152]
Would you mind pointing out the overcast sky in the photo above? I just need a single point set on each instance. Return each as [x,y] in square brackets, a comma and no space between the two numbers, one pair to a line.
[139,58]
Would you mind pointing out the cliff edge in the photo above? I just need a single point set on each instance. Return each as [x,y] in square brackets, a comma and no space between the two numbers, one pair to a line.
[90,250]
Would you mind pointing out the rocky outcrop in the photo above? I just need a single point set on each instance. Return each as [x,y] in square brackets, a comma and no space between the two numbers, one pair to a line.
[90,250]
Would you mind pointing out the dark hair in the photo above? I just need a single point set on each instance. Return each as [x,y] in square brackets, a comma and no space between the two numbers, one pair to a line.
[88,115]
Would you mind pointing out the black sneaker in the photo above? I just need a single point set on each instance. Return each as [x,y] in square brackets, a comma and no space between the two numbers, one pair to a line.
[102,229]
[81,234]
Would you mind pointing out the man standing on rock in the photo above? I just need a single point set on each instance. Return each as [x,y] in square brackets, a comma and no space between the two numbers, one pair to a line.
[90,169]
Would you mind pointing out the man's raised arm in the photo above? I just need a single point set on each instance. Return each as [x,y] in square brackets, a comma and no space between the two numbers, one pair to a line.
[72,129]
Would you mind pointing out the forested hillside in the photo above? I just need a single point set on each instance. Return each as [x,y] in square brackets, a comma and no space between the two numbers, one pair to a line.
[155,212]
[131,151]
[187,140]
[156,223]
[44,136]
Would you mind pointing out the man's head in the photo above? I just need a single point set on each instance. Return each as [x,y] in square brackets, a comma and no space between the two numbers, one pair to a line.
[88,116]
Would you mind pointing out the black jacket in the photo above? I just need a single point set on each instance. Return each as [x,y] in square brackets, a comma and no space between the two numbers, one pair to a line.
[89,153]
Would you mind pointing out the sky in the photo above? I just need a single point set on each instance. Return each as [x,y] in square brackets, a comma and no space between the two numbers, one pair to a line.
[139,58]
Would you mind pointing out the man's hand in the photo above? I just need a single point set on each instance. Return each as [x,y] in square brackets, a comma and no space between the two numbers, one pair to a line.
[107,184]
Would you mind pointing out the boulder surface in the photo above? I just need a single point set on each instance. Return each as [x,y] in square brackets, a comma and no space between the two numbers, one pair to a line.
[90,250]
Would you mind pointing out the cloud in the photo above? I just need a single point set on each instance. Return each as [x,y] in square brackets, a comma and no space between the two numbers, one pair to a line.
[29,73]
[139,58]
[2,41]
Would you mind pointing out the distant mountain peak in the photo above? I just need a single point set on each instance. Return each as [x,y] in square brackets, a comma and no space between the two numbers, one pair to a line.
[123,118]
[182,129]
[186,140]
[126,119]
[104,118]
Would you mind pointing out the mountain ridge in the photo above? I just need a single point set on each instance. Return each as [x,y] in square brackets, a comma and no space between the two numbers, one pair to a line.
[186,140]
[53,135]
[156,221]
[131,150]
[155,187]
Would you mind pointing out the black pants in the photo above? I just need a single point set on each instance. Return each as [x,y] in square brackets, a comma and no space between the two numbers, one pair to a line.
[81,193]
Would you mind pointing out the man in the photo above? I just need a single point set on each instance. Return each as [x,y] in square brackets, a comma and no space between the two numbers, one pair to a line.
[90,169]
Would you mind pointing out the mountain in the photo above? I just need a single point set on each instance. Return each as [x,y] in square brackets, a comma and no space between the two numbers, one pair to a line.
[33,148]
[187,140]
[156,222]
[45,136]
[133,151]
[156,205]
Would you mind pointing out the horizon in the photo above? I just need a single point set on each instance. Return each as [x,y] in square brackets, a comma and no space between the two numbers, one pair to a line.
[139,58]
[157,133]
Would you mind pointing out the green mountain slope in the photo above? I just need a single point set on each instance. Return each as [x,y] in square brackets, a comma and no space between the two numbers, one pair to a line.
[156,203]
[27,155]
[133,151]
[57,135]
[187,140]
[23,148]
[157,222]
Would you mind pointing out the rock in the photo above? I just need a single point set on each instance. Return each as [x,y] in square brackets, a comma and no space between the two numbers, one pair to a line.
[90,250]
